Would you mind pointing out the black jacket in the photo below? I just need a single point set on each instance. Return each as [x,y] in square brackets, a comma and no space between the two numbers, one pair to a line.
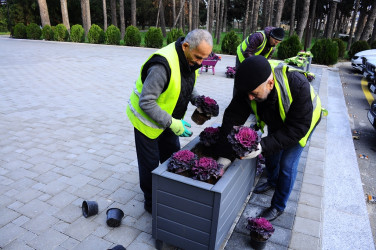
[281,135]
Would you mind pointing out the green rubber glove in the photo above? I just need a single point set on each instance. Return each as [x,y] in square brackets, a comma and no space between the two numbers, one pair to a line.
[179,128]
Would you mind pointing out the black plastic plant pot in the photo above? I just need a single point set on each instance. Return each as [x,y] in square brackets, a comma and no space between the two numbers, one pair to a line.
[114,217]
[89,208]
[118,247]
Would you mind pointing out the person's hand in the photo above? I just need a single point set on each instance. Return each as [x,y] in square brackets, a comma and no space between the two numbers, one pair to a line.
[179,127]
[202,112]
[253,154]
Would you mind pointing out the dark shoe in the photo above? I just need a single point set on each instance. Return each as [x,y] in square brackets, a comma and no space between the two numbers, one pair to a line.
[262,188]
[148,207]
[271,213]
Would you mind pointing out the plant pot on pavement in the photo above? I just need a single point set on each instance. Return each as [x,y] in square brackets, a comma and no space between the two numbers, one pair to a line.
[258,245]
[199,118]
[114,217]
[89,208]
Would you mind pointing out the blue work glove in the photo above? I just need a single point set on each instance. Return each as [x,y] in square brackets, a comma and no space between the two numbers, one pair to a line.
[179,127]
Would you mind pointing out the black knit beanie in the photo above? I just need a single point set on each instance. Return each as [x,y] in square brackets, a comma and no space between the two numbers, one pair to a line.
[252,72]
[277,33]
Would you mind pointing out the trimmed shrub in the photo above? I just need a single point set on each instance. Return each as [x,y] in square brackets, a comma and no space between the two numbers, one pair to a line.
[113,35]
[77,33]
[325,51]
[47,32]
[230,42]
[173,35]
[154,38]
[373,45]
[341,46]
[132,36]
[61,33]
[95,34]
[33,31]
[19,31]
[289,47]
[357,47]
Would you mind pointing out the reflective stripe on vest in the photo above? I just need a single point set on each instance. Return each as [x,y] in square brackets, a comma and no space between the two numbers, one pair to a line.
[285,99]
[243,46]
[166,101]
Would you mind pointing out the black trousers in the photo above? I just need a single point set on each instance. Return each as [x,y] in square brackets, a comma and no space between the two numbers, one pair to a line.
[152,152]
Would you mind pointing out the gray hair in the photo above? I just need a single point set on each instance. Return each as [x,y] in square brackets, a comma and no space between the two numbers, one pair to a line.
[195,37]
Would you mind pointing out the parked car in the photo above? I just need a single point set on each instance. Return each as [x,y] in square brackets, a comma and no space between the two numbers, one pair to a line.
[357,60]
[369,66]
[372,114]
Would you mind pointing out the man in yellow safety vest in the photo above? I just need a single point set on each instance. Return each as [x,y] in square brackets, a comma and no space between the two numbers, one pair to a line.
[158,102]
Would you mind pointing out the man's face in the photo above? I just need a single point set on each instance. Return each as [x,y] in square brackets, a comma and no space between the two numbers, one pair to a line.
[198,54]
[261,93]
[273,42]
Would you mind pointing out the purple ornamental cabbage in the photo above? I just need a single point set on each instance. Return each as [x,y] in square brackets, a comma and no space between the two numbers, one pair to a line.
[206,168]
[207,105]
[181,161]
[260,163]
[209,136]
[244,140]
[260,228]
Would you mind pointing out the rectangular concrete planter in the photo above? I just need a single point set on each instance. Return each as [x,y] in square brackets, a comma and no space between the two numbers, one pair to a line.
[192,214]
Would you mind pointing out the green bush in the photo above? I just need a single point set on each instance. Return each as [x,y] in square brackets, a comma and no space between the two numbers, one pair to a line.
[230,42]
[77,33]
[373,45]
[95,34]
[19,31]
[341,47]
[132,36]
[113,35]
[47,33]
[154,38]
[357,47]
[289,47]
[173,35]
[61,33]
[325,51]
[33,31]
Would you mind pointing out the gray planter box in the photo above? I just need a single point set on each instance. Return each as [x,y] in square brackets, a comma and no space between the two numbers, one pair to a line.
[192,214]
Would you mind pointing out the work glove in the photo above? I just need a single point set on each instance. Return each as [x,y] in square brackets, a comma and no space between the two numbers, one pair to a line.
[253,154]
[224,162]
[179,128]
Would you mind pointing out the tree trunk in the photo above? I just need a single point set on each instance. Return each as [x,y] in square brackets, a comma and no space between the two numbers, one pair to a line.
[190,15]
[245,20]
[224,23]
[311,25]
[278,16]
[162,18]
[221,18]
[373,37]
[179,14]
[265,12]
[198,14]
[333,10]
[353,23]
[182,3]
[217,11]
[303,21]
[211,16]
[173,10]
[45,18]
[113,13]
[255,16]
[361,23]
[370,22]
[271,12]
[85,11]
[122,18]
[104,15]
[292,18]
[133,13]
[208,15]
[64,14]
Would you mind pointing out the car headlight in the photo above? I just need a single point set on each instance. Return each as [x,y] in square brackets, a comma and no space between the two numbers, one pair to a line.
[355,57]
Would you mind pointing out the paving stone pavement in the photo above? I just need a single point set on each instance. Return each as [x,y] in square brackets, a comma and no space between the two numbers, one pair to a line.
[65,138]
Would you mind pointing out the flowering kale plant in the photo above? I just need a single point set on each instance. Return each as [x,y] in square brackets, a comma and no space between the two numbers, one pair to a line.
[305,53]
[260,228]
[297,60]
[213,56]
[181,161]
[207,105]
[310,76]
[260,163]
[207,168]
[230,72]
[244,140]
[209,136]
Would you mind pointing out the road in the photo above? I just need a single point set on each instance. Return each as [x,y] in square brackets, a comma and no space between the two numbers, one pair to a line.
[358,103]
